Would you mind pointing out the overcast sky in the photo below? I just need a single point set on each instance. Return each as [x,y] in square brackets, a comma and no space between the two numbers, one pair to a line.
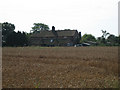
[87,16]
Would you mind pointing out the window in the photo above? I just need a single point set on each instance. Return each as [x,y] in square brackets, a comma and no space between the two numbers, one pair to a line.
[65,37]
[51,40]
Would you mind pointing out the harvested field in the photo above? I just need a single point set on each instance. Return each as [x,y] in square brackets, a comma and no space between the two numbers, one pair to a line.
[60,67]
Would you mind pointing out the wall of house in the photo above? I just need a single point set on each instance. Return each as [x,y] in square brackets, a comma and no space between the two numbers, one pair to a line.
[55,41]
[50,41]
[43,41]
[34,41]
[65,41]
[76,38]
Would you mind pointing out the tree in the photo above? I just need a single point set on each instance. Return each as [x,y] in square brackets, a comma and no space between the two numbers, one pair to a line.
[25,38]
[17,39]
[39,27]
[113,40]
[105,33]
[7,28]
[119,39]
[11,39]
[102,40]
[88,37]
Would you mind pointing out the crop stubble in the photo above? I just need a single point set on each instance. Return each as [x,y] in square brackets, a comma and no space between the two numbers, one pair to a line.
[60,67]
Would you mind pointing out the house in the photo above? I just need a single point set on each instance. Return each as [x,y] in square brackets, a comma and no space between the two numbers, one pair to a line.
[55,38]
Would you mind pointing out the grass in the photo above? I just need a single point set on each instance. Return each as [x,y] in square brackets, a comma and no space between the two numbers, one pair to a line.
[60,67]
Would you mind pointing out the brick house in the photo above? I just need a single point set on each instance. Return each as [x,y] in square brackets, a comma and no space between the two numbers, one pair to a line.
[55,38]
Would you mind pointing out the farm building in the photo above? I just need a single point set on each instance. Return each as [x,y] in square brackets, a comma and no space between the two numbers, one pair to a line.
[55,38]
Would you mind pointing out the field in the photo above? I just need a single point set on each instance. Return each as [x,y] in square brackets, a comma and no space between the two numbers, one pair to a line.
[60,67]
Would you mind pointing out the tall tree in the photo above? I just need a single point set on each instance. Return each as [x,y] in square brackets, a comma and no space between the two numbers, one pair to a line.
[102,40]
[105,33]
[17,39]
[39,26]
[113,40]
[7,28]
[11,39]
[88,37]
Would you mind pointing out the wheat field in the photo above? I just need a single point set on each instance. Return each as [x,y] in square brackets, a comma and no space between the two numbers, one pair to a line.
[60,67]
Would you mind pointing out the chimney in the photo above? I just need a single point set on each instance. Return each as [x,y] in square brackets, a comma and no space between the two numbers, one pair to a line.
[80,35]
[54,32]
[53,28]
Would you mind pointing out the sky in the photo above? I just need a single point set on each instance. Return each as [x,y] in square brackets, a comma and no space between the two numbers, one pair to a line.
[86,16]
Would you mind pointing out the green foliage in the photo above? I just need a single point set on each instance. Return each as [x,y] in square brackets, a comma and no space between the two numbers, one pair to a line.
[105,33]
[113,40]
[88,37]
[7,28]
[119,40]
[39,26]
[11,38]
[16,39]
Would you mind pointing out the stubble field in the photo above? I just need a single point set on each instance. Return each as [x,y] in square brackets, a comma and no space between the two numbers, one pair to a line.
[60,67]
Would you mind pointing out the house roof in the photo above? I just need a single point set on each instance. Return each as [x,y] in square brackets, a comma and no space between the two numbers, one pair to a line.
[51,34]
[66,32]
[43,34]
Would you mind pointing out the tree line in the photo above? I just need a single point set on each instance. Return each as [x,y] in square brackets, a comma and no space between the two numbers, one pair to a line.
[12,38]
[106,39]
